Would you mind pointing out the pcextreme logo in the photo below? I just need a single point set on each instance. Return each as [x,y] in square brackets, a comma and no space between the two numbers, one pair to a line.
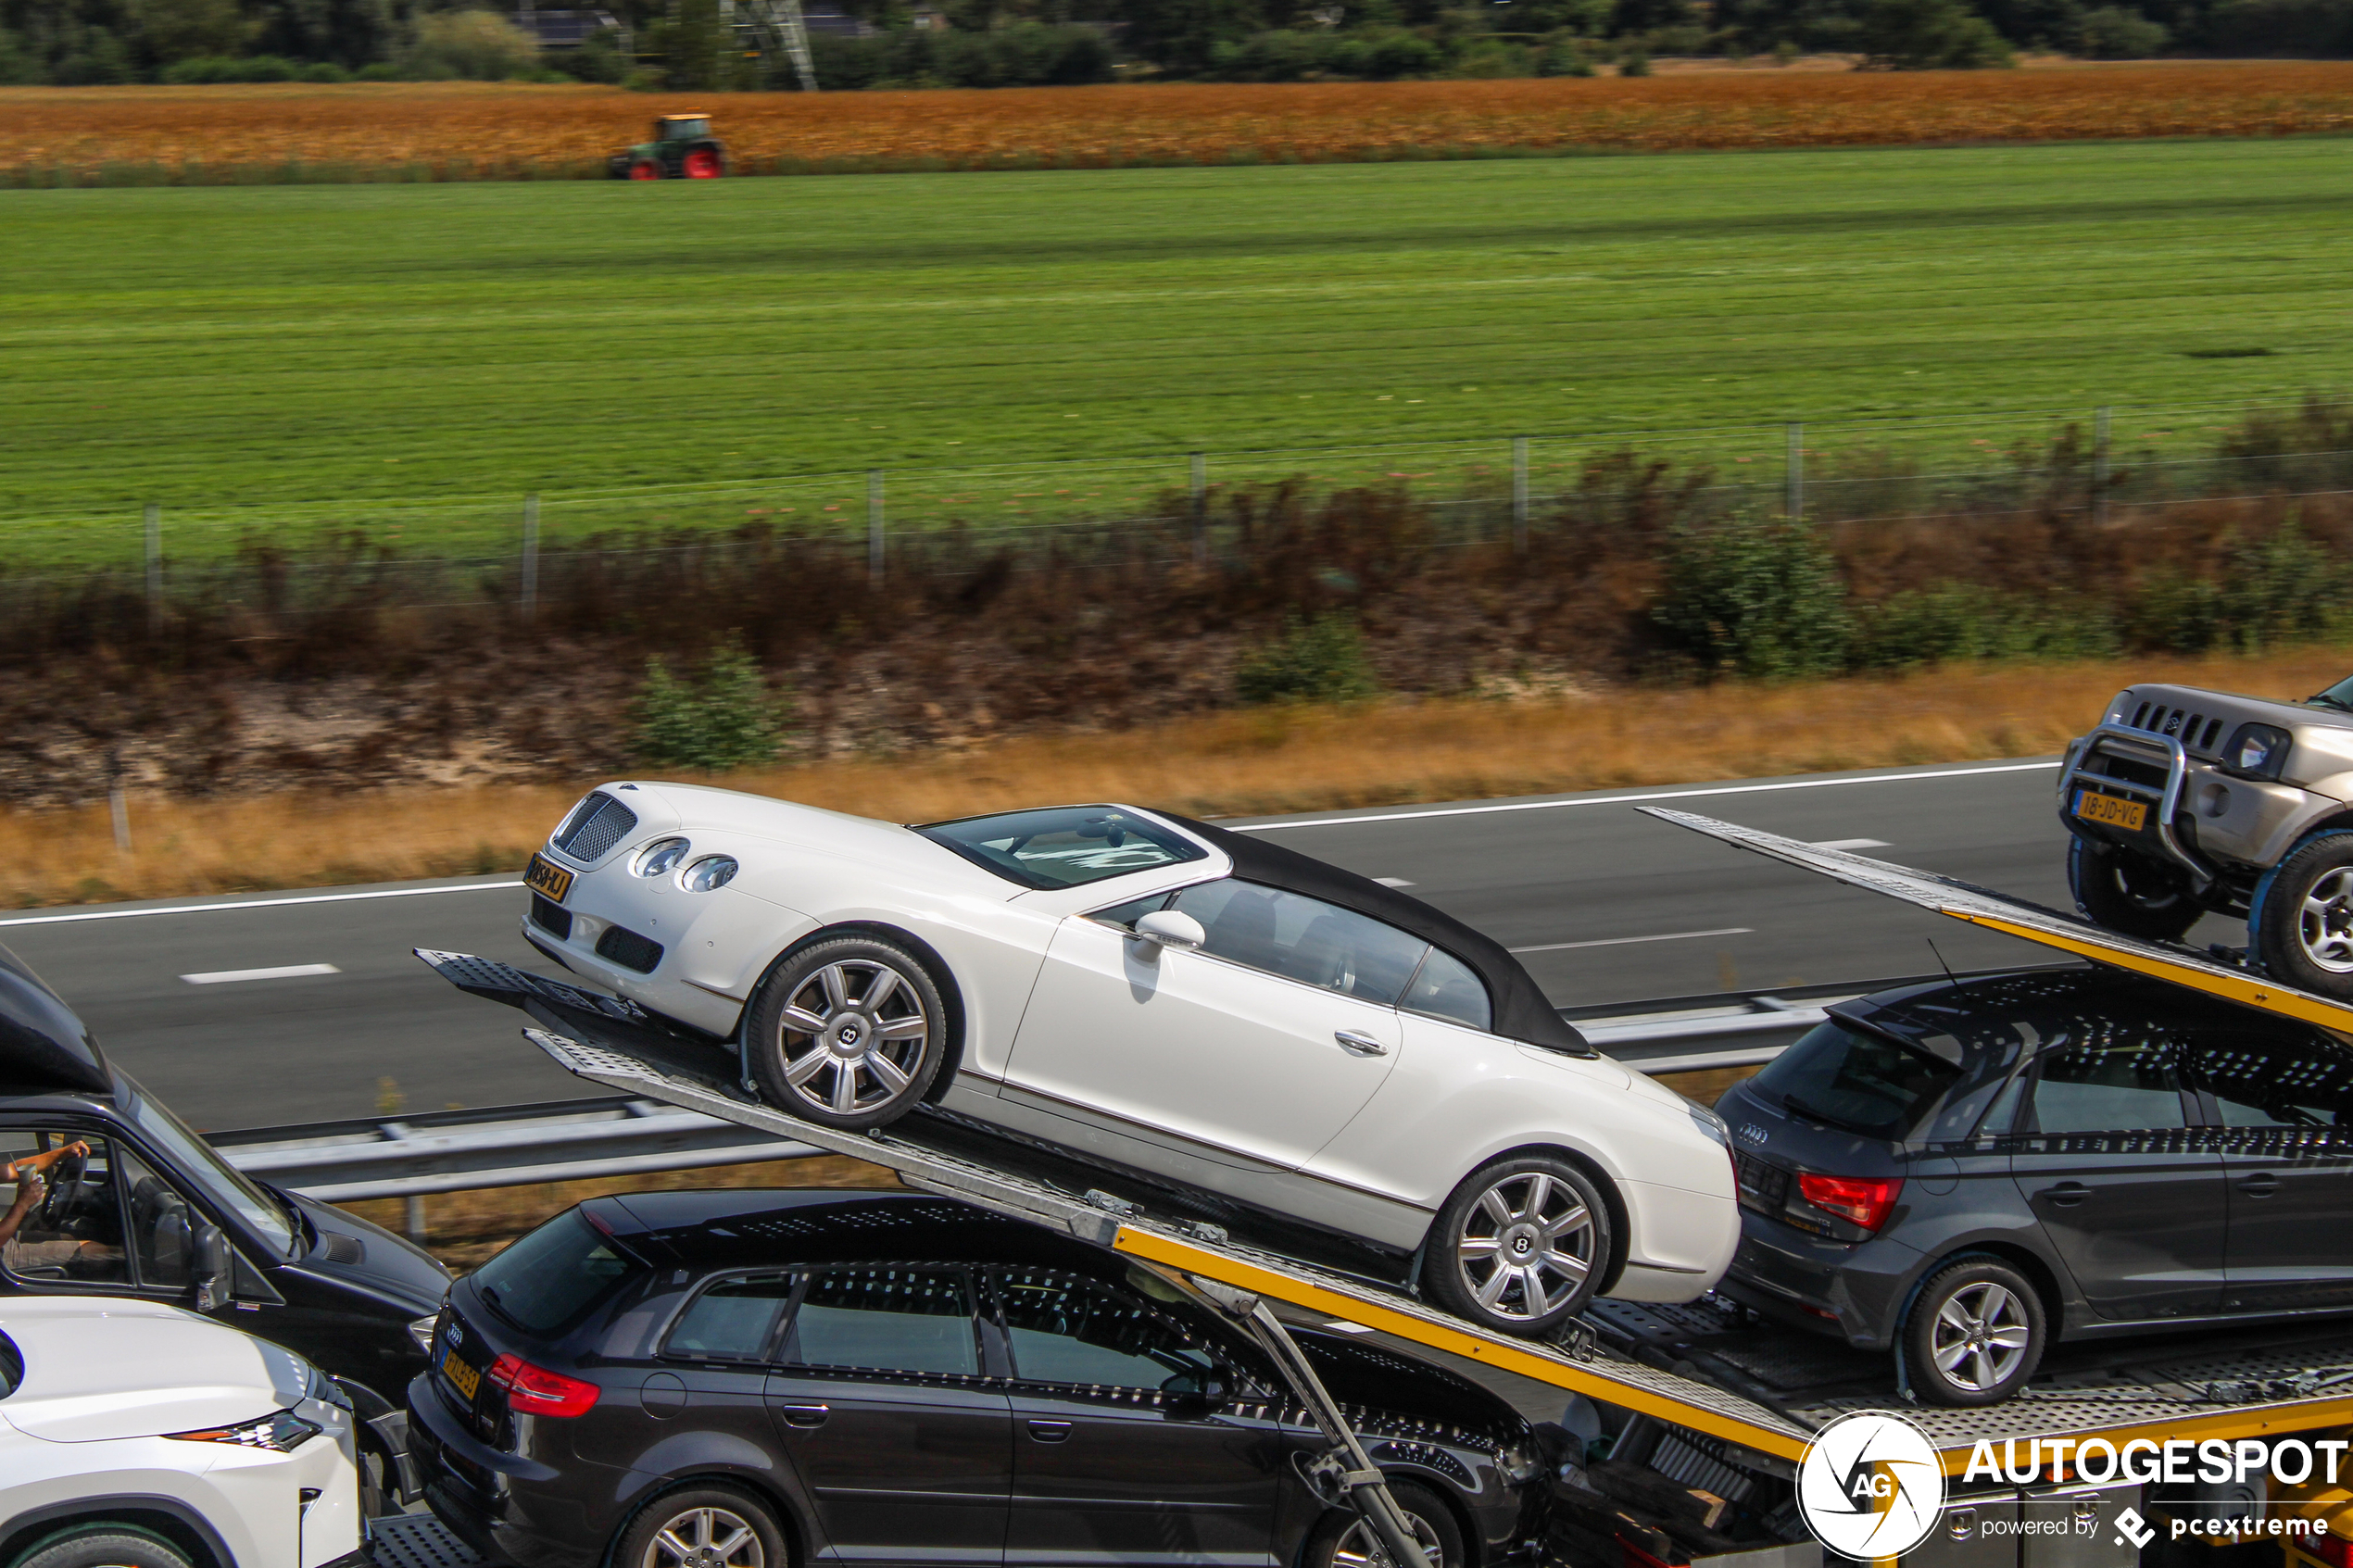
[1869,1485]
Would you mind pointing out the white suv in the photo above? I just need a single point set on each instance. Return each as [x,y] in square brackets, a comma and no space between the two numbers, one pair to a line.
[135,1435]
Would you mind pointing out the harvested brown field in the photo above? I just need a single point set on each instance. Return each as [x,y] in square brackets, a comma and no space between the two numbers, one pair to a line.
[1261,760]
[472,131]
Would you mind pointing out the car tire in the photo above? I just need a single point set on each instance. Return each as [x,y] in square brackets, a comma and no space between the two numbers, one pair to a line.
[2304,936]
[716,1527]
[2130,893]
[1342,1539]
[1974,1334]
[102,1545]
[1544,1225]
[847,1033]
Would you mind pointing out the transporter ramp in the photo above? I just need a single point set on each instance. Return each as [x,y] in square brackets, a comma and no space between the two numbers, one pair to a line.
[1732,1390]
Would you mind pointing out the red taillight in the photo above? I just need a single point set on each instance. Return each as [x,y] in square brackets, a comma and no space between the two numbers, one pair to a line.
[2330,1548]
[536,1391]
[1862,1200]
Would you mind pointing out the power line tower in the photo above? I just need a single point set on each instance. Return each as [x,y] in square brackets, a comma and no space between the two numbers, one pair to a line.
[778,25]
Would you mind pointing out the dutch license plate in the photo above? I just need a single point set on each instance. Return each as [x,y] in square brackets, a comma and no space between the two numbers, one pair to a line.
[545,878]
[2094,807]
[464,1378]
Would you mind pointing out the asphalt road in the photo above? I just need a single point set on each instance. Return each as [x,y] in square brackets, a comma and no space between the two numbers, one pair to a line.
[1616,905]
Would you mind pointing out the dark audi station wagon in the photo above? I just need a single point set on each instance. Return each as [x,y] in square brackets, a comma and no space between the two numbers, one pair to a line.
[750,1378]
[1964,1173]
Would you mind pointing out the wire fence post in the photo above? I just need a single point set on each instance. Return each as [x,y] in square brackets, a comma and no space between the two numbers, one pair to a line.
[1519,495]
[530,557]
[2099,465]
[155,567]
[1201,508]
[1794,472]
[874,528]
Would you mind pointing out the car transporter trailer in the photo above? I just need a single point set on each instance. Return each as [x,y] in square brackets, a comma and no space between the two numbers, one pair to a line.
[1713,1403]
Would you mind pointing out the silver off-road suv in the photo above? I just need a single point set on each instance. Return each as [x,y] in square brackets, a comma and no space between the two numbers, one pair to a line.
[2182,801]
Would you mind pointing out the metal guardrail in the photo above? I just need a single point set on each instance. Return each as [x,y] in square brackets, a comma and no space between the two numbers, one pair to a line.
[563,1140]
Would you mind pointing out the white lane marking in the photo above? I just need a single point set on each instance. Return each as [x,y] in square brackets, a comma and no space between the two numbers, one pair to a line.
[1848,843]
[254,904]
[1655,794]
[1392,882]
[1622,941]
[283,971]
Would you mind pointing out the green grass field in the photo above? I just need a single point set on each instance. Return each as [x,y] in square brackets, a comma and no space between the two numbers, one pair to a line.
[331,349]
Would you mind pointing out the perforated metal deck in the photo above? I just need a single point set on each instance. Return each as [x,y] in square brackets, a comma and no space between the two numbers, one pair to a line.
[1708,1367]
[419,1540]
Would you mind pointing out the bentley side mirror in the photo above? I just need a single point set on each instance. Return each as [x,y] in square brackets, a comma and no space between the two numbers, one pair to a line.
[1170,928]
[212,1268]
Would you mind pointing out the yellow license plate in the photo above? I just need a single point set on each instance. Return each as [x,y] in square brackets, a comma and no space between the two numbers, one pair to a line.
[2094,807]
[463,1378]
[545,878]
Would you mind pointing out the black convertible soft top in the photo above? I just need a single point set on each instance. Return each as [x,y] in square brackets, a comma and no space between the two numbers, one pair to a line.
[1522,1011]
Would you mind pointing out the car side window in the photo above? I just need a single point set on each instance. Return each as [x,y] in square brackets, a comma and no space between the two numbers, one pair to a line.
[886,1319]
[1303,938]
[1068,1328]
[2108,1083]
[2266,1081]
[73,1235]
[162,1228]
[1447,987]
[733,1321]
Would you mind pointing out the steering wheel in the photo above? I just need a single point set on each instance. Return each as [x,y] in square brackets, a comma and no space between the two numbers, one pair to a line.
[69,1179]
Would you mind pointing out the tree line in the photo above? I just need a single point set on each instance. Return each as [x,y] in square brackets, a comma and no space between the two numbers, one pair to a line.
[689,43]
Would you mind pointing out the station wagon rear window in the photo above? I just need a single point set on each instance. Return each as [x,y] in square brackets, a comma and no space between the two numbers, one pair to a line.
[1856,1082]
[548,1281]
[1064,846]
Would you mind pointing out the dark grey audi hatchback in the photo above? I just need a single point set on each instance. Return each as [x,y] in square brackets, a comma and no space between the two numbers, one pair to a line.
[1964,1173]
[751,1379]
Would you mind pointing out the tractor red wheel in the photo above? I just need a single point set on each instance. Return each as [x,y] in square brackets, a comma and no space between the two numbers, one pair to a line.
[645,168]
[702,164]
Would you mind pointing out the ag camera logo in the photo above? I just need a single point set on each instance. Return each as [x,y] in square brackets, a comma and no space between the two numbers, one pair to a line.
[1870,1486]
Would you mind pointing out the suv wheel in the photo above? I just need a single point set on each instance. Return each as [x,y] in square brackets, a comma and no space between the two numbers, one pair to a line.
[102,1546]
[702,1527]
[2130,893]
[2305,935]
[1520,1246]
[1975,1334]
[848,1032]
[1342,1539]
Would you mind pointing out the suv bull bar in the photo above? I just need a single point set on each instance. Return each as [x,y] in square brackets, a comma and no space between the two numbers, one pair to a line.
[2163,800]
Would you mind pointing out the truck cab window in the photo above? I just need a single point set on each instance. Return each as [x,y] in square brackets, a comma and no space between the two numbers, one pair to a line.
[64,1224]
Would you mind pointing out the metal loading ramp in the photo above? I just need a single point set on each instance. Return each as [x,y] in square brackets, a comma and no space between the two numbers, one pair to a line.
[1708,1368]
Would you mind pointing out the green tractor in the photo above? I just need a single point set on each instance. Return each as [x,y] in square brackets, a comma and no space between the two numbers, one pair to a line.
[683,148]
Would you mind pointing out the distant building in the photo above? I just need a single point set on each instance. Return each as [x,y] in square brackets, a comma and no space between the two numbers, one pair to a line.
[559,31]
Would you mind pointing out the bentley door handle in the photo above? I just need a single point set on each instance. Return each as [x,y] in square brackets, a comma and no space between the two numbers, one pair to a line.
[805,1415]
[1049,1431]
[1355,1042]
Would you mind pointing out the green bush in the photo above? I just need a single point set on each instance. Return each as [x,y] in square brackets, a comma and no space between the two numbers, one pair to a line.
[468,45]
[2322,28]
[1026,55]
[1634,62]
[1970,621]
[1754,597]
[1928,35]
[209,69]
[1317,660]
[2114,33]
[723,718]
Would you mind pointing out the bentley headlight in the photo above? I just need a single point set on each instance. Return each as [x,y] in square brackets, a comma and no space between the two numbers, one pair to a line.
[2256,751]
[711,872]
[661,856]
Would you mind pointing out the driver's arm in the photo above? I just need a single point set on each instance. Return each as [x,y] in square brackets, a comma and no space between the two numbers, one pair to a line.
[30,1188]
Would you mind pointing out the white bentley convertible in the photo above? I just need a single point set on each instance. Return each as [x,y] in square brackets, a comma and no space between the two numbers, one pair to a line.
[1163,996]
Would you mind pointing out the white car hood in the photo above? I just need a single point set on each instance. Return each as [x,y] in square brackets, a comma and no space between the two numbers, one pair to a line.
[108,1369]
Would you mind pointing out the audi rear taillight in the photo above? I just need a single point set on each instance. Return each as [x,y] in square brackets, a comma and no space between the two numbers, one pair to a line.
[536,1391]
[1861,1200]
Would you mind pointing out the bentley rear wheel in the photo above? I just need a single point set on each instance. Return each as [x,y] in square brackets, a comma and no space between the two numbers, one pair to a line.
[1519,1247]
[848,1032]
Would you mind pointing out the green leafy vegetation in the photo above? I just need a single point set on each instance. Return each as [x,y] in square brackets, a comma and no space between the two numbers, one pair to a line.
[1318,660]
[724,716]
[1754,597]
